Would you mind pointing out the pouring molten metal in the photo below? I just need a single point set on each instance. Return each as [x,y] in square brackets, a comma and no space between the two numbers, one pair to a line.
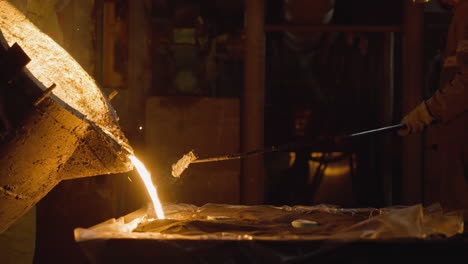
[75,125]
[146,177]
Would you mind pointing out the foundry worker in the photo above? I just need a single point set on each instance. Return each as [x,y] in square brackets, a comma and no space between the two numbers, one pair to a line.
[447,103]
[450,100]
[446,143]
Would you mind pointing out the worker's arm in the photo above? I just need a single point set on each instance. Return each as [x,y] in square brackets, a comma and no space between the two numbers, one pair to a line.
[458,31]
[416,120]
[445,105]
[451,101]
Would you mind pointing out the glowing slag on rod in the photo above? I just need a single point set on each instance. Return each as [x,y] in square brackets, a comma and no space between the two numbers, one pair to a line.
[146,176]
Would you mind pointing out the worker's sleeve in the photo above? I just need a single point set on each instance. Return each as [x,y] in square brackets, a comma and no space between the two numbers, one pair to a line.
[458,30]
[462,27]
[449,61]
[451,101]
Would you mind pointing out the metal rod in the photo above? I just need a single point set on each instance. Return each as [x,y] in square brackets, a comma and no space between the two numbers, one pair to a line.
[237,156]
[191,157]
[377,130]
[292,146]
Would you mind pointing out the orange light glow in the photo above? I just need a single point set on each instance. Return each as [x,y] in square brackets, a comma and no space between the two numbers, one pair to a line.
[51,64]
[146,177]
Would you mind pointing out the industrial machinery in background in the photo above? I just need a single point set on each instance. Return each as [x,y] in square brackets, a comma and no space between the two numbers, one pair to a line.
[197,64]
[197,48]
[319,86]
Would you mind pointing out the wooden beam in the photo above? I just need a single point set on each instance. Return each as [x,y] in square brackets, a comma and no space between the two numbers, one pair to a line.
[139,74]
[387,116]
[252,124]
[139,82]
[412,152]
[99,28]
[333,28]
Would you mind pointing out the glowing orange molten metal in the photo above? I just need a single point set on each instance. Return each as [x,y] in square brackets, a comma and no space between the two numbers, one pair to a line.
[146,176]
[50,63]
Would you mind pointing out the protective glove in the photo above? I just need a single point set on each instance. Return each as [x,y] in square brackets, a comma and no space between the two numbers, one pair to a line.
[418,119]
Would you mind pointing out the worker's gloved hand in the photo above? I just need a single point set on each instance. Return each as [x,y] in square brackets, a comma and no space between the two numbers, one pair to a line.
[416,120]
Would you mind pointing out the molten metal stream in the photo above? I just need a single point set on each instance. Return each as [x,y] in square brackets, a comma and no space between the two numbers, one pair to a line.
[146,176]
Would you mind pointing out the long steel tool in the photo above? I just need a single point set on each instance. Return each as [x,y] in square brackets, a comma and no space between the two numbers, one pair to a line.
[192,157]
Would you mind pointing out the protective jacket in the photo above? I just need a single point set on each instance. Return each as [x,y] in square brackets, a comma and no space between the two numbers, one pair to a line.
[446,153]
[451,101]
